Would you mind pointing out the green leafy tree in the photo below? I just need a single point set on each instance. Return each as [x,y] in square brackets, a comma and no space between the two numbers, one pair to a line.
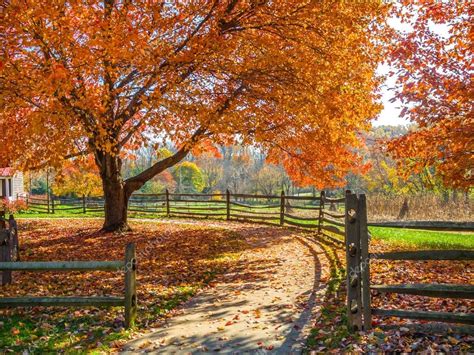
[188,177]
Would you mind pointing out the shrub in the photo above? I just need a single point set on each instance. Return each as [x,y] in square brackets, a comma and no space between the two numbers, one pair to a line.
[11,207]
[217,196]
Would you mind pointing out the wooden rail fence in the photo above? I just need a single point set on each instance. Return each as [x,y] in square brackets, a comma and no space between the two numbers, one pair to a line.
[298,211]
[359,310]
[342,221]
[128,266]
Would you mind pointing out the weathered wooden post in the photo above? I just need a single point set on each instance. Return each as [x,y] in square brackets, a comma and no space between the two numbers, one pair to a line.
[13,227]
[5,252]
[322,196]
[227,201]
[52,204]
[83,203]
[353,278]
[130,285]
[365,262]
[47,201]
[282,208]
[167,197]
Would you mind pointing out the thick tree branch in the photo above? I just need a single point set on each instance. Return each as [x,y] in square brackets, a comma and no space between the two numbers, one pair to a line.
[134,183]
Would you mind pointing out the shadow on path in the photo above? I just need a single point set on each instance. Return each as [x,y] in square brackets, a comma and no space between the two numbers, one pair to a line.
[265,303]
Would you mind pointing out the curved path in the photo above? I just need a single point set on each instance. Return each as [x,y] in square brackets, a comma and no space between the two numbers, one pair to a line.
[266,303]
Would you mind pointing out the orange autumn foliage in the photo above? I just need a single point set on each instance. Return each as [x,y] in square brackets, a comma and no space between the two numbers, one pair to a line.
[434,69]
[293,77]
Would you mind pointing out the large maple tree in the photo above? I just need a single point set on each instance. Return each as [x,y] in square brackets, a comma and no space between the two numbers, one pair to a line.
[434,62]
[105,77]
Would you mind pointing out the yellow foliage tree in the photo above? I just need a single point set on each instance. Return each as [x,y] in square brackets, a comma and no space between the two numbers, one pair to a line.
[79,177]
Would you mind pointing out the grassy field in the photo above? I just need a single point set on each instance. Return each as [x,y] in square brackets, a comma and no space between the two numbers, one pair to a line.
[423,239]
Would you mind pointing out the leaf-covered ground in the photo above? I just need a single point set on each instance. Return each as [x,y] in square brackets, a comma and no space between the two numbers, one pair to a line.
[402,338]
[266,302]
[393,334]
[175,261]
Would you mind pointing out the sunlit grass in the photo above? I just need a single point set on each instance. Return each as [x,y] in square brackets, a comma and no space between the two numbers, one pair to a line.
[424,238]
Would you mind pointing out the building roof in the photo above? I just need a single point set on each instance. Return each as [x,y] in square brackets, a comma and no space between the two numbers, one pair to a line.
[6,172]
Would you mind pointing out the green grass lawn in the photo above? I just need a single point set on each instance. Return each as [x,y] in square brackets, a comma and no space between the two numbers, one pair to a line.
[425,239]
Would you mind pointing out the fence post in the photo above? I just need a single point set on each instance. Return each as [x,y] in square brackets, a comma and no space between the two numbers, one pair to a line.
[365,264]
[52,204]
[130,285]
[83,203]
[47,201]
[354,302]
[5,254]
[2,220]
[13,226]
[167,194]
[282,208]
[227,200]
[322,195]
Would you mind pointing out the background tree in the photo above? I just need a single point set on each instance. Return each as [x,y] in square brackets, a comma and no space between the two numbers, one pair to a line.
[433,64]
[78,177]
[188,177]
[271,180]
[106,77]
[212,170]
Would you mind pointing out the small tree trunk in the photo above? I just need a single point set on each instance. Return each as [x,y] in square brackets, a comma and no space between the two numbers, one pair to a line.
[404,210]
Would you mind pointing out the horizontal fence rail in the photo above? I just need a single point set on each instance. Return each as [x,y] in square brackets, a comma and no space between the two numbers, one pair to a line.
[128,266]
[463,318]
[360,311]
[331,223]
[62,265]
[295,211]
[429,290]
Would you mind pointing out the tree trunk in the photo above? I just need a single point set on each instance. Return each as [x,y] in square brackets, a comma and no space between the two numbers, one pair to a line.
[115,194]
[116,203]
[404,210]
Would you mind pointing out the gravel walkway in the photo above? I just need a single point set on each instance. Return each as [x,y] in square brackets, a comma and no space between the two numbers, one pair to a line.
[265,304]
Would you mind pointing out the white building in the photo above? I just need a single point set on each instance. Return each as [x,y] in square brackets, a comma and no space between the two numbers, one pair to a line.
[11,183]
